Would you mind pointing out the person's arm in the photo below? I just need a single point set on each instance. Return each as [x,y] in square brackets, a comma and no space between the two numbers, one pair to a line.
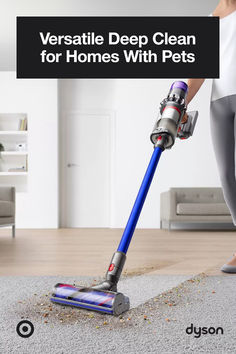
[193,87]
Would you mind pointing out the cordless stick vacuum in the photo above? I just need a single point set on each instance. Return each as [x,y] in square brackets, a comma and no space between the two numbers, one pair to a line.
[104,296]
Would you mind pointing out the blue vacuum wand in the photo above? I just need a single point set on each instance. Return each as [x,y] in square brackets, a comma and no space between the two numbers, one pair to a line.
[104,296]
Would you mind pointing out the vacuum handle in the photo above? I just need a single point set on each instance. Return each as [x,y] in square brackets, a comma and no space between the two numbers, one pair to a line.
[186,129]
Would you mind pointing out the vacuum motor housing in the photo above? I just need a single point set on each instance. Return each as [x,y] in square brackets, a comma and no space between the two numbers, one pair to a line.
[172,111]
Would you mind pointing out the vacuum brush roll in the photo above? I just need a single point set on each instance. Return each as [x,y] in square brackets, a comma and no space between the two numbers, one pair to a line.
[113,303]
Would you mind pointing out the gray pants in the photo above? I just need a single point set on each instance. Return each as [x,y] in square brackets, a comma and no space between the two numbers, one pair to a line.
[223,130]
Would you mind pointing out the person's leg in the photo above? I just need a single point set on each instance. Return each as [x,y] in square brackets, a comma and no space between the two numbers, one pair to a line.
[223,129]
[223,137]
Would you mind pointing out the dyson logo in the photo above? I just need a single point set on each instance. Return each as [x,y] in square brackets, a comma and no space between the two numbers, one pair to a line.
[198,331]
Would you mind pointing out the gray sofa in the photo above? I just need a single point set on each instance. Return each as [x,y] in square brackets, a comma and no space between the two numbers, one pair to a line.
[194,208]
[7,207]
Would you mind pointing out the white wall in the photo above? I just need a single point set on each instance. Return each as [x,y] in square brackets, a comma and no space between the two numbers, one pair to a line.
[134,104]
[38,206]
[12,8]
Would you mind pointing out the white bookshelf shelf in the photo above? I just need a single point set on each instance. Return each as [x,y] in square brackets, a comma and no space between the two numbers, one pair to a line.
[13,132]
[13,153]
[13,173]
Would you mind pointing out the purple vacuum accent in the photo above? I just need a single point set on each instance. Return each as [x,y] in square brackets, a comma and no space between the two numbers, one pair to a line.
[179,84]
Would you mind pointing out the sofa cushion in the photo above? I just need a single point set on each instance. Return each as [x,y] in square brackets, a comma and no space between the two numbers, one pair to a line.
[6,208]
[199,195]
[202,209]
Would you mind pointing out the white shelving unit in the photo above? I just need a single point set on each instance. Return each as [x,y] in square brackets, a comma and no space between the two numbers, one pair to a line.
[11,157]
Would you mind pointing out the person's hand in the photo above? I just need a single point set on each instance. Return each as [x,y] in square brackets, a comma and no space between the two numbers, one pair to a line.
[184,119]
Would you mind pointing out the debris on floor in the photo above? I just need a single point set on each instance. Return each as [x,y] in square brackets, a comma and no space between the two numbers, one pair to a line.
[160,305]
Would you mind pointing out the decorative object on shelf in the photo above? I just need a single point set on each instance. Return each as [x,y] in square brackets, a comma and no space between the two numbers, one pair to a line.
[23,124]
[21,147]
[1,147]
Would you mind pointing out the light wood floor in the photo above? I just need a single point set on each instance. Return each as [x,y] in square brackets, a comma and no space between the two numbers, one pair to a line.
[88,251]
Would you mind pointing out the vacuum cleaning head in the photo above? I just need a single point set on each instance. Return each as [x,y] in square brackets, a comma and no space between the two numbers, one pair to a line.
[109,302]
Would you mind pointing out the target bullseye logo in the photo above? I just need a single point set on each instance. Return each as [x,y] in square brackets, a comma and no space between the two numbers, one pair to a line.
[25,329]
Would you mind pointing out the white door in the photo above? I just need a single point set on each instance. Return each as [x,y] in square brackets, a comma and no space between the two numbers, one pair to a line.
[87,170]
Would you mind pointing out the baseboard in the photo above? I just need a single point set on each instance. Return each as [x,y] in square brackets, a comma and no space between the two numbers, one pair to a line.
[197,226]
